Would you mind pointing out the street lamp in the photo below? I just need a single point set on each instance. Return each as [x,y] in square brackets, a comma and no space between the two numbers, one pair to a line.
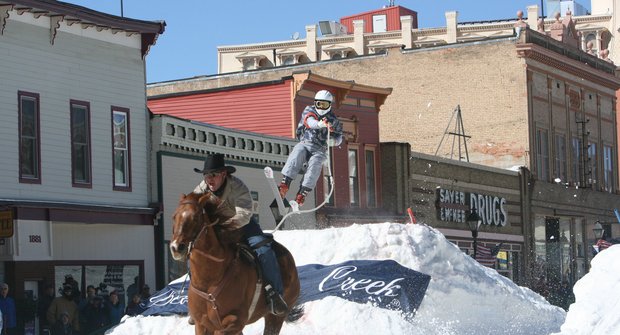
[598,230]
[474,221]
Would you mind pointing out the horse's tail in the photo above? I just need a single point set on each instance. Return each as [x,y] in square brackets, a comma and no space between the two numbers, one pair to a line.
[295,314]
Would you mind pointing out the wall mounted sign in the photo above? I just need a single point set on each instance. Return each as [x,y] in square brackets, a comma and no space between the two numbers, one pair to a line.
[6,224]
[455,206]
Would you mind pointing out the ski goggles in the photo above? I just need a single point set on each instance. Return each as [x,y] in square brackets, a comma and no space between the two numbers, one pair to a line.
[322,104]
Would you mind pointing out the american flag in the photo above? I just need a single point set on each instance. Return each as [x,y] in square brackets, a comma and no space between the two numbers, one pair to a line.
[602,245]
[486,256]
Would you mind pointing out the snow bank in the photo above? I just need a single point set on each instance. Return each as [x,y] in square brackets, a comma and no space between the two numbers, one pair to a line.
[463,297]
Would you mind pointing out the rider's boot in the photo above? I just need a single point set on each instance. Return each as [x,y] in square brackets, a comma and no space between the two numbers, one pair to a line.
[271,274]
[273,283]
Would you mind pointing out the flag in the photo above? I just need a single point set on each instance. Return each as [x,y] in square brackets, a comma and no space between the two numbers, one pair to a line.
[602,245]
[486,256]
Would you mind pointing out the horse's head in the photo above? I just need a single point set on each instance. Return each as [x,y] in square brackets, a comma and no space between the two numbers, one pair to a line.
[187,221]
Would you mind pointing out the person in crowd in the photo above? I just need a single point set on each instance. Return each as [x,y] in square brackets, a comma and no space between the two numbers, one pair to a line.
[43,304]
[64,303]
[233,200]
[9,313]
[115,308]
[62,326]
[145,293]
[75,288]
[95,315]
[132,289]
[311,151]
[134,308]
[91,292]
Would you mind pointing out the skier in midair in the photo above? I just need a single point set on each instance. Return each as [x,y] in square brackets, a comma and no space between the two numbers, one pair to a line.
[315,123]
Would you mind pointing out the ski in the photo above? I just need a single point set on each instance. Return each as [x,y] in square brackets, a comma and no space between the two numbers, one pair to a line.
[279,207]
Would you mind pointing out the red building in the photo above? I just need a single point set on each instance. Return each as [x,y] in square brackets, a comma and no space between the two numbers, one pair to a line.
[380,20]
[274,108]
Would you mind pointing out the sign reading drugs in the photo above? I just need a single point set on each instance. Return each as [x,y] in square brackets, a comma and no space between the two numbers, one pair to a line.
[454,206]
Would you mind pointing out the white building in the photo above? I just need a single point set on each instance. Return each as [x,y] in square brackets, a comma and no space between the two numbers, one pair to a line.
[74,168]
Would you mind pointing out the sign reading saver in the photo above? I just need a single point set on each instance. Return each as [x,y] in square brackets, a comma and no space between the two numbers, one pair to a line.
[385,284]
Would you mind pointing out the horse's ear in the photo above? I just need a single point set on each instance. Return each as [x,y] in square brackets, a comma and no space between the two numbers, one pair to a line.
[182,197]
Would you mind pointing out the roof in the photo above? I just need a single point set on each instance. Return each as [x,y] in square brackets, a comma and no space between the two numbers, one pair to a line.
[149,30]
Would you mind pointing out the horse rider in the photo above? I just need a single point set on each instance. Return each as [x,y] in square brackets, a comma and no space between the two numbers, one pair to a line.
[233,200]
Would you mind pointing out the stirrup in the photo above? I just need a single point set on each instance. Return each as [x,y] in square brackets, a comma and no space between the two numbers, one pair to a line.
[277,305]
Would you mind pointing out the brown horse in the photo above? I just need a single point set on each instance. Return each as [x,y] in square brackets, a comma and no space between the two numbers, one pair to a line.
[225,293]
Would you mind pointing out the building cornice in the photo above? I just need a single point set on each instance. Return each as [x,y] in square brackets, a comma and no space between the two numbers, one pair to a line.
[550,58]
[71,14]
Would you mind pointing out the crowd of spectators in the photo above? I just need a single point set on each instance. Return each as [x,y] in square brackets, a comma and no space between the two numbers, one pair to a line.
[73,314]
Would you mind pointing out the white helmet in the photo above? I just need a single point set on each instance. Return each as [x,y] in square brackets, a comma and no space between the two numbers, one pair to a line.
[323,102]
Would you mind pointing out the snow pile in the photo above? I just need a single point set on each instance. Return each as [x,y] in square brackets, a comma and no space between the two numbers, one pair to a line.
[463,297]
[597,298]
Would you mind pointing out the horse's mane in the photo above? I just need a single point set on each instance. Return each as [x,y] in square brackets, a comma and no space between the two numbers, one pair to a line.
[224,235]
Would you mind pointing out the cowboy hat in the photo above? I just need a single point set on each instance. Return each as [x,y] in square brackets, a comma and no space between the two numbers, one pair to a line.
[215,163]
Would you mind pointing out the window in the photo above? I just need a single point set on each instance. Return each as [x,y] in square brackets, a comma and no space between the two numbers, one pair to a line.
[592,163]
[80,144]
[560,158]
[353,179]
[371,196]
[121,148]
[288,60]
[29,138]
[608,175]
[542,154]
[576,162]
[122,277]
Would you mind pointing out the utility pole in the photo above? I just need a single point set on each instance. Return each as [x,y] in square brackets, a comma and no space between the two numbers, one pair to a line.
[122,9]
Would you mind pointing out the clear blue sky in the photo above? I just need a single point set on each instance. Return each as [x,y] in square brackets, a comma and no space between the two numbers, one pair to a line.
[195,28]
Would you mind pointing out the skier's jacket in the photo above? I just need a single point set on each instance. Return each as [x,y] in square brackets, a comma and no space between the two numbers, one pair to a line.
[308,130]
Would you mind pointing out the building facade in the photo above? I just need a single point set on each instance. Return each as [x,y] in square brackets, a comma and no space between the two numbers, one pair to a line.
[541,235]
[75,195]
[376,31]
[274,108]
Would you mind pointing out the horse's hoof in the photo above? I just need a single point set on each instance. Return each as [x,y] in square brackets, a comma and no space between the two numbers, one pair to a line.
[191,320]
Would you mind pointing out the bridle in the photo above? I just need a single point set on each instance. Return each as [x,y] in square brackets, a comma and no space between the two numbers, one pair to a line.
[202,231]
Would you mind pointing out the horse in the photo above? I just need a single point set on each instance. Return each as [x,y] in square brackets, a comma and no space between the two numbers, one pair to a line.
[225,293]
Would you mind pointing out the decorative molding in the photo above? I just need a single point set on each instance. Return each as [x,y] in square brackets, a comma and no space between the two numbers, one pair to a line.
[38,13]
[71,21]
[86,25]
[4,15]
[54,25]
[552,59]
[23,10]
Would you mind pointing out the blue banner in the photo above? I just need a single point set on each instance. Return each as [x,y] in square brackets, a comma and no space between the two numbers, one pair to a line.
[385,284]
[172,299]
